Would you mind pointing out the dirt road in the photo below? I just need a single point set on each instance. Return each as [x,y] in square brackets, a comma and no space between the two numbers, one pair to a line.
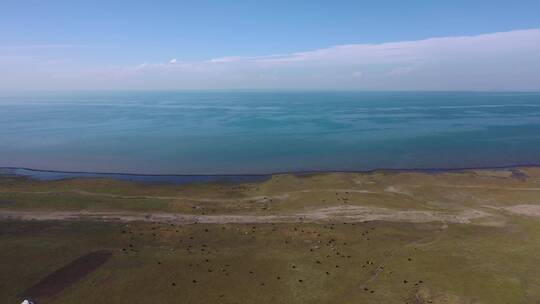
[345,213]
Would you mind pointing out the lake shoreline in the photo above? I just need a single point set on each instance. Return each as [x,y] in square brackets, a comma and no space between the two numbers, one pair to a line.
[41,174]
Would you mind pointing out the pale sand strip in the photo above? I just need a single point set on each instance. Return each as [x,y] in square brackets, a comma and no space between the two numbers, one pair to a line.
[345,213]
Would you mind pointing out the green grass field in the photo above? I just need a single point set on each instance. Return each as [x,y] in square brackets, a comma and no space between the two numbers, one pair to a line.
[287,263]
[494,260]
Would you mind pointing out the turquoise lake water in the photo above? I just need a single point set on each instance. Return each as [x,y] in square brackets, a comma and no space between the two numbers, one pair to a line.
[264,132]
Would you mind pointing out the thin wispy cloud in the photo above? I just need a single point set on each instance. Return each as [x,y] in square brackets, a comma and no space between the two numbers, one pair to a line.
[38,46]
[497,61]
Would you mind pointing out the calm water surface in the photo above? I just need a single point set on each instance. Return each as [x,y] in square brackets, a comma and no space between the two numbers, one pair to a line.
[264,132]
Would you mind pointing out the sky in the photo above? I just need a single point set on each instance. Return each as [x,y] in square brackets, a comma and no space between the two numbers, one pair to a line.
[334,45]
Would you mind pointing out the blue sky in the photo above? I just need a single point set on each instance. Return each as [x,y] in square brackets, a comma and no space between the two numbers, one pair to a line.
[71,44]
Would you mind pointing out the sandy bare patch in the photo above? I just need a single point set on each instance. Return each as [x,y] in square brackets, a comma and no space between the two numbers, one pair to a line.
[526,210]
[494,173]
[346,213]
[396,190]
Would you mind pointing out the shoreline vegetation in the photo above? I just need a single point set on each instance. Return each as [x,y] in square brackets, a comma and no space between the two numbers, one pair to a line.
[51,174]
[385,236]
[296,192]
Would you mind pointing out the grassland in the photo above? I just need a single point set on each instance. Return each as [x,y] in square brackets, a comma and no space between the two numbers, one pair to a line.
[389,238]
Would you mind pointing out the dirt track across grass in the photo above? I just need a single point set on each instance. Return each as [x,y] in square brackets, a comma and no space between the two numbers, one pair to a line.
[344,213]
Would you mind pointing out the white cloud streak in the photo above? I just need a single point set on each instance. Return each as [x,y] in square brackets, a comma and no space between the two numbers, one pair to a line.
[498,61]
[36,47]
